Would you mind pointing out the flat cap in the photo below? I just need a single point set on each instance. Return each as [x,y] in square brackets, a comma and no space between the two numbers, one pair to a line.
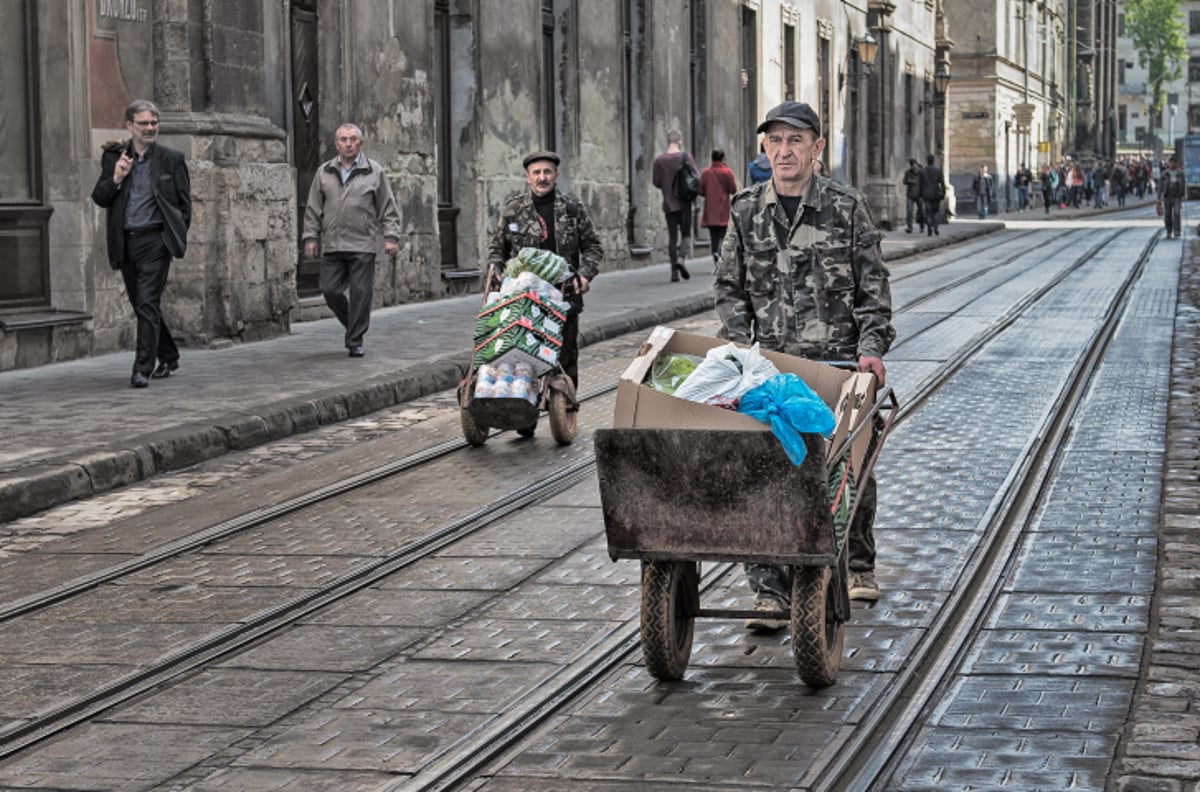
[797,114]
[534,156]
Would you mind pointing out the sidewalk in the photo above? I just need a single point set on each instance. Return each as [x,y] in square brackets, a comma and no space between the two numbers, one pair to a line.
[74,429]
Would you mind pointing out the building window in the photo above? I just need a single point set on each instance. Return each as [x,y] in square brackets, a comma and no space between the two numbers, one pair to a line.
[24,252]
[1193,69]
[789,62]
[549,78]
[1194,23]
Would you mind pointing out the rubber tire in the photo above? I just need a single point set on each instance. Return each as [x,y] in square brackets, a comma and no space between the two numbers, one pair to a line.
[818,638]
[668,621]
[475,434]
[562,420]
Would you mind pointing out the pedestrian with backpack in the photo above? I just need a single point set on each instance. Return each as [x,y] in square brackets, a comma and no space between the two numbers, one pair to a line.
[676,176]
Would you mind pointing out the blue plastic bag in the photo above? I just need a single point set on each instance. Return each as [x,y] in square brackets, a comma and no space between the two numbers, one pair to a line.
[790,407]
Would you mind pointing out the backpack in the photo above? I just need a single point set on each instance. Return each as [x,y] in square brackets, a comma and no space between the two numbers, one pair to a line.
[686,185]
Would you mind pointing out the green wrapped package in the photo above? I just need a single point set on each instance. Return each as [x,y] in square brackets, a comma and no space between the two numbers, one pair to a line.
[546,264]
[670,370]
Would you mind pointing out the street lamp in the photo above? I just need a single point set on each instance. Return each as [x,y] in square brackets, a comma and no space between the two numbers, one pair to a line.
[862,64]
[867,47]
[941,84]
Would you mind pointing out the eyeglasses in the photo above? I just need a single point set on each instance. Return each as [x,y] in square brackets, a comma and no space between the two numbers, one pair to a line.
[146,123]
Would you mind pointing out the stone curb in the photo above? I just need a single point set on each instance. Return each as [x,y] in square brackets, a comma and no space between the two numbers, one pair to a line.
[46,485]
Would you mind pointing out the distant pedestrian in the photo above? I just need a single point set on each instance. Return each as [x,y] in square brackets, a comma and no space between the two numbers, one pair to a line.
[1172,188]
[546,218]
[1021,180]
[933,190]
[985,191]
[717,183]
[913,205]
[1049,186]
[147,191]
[350,206]
[677,208]
[760,168]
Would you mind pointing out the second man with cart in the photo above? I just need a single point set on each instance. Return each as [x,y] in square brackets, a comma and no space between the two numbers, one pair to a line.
[545,218]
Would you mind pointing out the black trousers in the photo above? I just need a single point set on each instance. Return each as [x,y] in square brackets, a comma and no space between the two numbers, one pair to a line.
[716,237]
[679,224]
[147,264]
[568,356]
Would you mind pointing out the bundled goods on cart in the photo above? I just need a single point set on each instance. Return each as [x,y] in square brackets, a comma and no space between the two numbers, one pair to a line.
[522,322]
[741,379]
[506,380]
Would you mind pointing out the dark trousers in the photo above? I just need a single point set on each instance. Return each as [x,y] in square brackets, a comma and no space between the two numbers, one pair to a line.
[568,357]
[1172,215]
[914,208]
[716,237]
[931,215]
[679,224]
[147,264]
[356,272]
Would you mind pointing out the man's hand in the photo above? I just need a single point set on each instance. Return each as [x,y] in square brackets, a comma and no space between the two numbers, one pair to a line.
[582,284]
[874,366]
[391,248]
[122,168]
[310,248]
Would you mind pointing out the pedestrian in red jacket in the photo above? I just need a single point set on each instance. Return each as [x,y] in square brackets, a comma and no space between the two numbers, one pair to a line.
[717,184]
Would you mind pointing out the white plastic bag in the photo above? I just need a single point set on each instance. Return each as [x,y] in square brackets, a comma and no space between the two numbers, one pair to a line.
[725,374]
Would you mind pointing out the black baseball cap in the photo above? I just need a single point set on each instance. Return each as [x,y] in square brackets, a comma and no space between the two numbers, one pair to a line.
[534,156]
[797,114]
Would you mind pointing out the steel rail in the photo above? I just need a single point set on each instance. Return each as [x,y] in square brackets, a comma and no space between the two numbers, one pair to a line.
[868,758]
[469,756]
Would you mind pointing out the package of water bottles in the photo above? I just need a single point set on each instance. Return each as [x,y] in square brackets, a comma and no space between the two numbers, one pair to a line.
[505,380]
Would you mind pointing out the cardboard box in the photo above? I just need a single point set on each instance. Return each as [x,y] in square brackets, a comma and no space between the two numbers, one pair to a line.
[520,342]
[544,316]
[849,394]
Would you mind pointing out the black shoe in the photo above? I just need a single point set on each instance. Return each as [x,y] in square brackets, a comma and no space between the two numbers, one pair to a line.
[683,271]
[936,232]
[164,369]
[139,380]
[357,351]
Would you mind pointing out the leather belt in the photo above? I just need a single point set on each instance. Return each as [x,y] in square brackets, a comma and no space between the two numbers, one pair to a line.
[134,232]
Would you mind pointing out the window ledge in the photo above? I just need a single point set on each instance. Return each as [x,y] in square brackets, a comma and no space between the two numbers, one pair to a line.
[36,320]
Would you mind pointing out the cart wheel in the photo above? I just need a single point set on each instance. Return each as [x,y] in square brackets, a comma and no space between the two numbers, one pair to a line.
[817,636]
[562,420]
[670,590]
[474,433]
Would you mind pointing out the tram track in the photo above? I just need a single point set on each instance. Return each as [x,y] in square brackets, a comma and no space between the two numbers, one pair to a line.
[487,742]
[869,757]
[476,752]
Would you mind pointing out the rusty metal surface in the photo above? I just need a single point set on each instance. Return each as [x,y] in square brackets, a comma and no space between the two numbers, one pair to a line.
[713,495]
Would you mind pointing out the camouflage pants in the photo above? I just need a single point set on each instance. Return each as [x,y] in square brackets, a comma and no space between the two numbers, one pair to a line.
[775,581]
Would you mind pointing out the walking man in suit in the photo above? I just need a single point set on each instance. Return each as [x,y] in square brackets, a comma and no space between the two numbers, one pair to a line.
[147,191]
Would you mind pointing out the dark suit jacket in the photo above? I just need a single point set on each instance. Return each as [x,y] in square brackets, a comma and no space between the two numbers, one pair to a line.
[933,184]
[172,192]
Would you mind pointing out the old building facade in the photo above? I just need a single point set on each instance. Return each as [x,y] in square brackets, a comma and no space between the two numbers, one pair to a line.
[449,93]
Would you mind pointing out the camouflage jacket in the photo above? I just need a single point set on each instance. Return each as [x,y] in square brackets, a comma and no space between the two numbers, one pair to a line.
[575,236]
[817,288]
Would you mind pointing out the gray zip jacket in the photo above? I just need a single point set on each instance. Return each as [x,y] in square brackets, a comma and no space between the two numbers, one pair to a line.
[350,218]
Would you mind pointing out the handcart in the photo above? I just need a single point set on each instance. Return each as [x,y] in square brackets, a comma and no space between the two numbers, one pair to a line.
[555,396]
[675,497]
[549,389]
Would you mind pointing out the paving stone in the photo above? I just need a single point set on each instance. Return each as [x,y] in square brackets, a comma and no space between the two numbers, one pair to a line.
[1035,704]
[315,647]
[228,697]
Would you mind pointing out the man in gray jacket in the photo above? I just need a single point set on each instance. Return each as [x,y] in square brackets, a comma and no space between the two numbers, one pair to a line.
[350,205]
